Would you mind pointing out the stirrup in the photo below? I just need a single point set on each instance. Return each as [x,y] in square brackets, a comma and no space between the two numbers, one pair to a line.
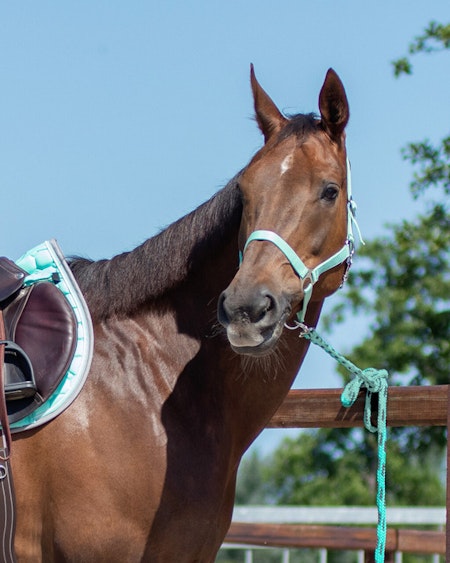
[19,379]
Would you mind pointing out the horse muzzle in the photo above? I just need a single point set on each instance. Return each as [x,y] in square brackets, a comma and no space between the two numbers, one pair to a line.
[254,320]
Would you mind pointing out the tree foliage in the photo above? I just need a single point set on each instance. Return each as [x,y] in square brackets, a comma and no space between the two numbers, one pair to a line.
[435,37]
[431,160]
[335,467]
[404,281]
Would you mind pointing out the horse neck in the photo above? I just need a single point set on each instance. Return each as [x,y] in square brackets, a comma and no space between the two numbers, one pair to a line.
[265,382]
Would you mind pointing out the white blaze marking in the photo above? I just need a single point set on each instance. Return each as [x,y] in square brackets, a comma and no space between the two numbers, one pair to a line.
[287,163]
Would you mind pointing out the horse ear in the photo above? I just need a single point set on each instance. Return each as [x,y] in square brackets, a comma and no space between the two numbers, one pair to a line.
[333,106]
[268,116]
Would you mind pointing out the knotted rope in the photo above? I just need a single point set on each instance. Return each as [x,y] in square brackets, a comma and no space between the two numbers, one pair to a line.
[375,381]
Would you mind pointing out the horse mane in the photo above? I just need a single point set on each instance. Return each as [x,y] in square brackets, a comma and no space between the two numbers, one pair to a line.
[121,285]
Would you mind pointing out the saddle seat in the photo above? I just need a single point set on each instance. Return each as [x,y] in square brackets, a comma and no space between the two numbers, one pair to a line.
[48,336]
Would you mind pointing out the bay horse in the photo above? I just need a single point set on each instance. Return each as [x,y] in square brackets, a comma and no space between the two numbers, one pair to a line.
[191,356]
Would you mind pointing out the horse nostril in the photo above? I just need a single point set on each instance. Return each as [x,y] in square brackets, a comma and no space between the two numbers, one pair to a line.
[261,307]
[222,314]
[270,303]
[252,308]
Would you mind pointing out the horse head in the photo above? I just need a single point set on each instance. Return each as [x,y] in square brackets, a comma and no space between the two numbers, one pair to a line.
[294,232]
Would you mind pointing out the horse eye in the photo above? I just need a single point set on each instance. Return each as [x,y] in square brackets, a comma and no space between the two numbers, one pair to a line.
[330,193]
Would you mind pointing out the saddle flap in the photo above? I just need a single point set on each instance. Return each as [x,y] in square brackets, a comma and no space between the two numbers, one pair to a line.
[42,325]
[11,278]
[47,333]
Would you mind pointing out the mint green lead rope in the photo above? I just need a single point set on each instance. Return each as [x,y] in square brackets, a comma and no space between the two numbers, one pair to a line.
[375,381]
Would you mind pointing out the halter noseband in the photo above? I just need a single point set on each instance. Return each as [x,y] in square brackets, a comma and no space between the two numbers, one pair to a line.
[345,254]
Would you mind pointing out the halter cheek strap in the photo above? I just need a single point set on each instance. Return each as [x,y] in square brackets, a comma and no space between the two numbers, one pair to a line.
[345,254]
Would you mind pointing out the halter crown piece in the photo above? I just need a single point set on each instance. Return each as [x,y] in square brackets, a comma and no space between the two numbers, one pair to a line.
[345,254]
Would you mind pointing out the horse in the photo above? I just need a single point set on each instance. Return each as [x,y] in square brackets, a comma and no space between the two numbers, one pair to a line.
[192,356]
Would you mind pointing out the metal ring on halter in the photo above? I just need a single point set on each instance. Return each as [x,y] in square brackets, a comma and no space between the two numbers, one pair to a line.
[3,472]
[304,329]
[308,277]
[295,327]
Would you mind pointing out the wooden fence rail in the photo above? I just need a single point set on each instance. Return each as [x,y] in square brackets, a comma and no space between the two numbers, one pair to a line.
[335,537]
[321,408]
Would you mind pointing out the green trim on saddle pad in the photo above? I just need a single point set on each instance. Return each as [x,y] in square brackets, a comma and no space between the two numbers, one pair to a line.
[45,262]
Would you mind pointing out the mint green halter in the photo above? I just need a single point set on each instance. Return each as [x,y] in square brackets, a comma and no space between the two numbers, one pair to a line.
[345,254]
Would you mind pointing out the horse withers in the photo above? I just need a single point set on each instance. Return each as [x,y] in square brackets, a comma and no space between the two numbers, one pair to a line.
[142,466]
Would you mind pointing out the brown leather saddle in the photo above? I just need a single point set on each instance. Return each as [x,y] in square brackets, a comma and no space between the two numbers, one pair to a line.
[40,336]
[38,342]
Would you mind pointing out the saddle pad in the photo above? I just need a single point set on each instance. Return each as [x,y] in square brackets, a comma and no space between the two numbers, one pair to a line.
[43,263]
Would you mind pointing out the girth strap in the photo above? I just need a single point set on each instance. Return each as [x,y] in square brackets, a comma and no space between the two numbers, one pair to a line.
[6,433]
[7,496]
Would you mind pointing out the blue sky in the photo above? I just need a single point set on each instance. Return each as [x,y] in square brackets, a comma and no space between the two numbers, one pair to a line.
[117,118]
